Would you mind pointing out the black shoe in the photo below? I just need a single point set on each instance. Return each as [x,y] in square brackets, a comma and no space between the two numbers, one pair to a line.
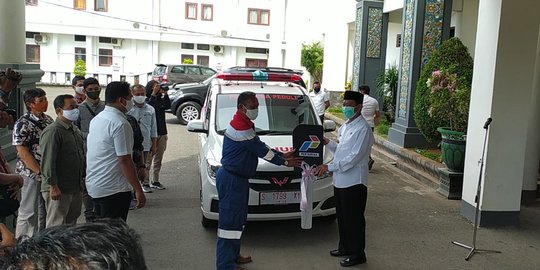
[370,163]
[353,261]
[337,253]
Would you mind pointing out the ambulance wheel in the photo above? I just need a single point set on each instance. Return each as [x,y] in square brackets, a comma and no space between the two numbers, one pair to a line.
[208,223]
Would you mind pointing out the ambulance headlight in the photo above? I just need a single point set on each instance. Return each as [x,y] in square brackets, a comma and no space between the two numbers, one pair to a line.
[212,167]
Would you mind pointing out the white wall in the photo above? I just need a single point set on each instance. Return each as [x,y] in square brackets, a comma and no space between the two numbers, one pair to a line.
[283,37]
[504,77]
[395,27]
[336,38]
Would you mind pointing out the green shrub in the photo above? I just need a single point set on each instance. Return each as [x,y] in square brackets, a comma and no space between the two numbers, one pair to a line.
[80,68]
[311,57]
[187,61]
[454,58]
[382,127]
[387,83]
[430,154]
[336,111]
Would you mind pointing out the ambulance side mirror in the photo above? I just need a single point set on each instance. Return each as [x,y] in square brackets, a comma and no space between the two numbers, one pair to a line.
[196,126]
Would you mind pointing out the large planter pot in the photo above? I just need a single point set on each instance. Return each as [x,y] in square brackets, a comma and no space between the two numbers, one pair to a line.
[453,149]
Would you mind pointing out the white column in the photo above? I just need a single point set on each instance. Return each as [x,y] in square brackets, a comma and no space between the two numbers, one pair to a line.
[12,38]
[502,88]
[532,151]
[91,60]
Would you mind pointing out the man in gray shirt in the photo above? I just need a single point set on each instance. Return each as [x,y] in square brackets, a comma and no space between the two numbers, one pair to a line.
[91,106]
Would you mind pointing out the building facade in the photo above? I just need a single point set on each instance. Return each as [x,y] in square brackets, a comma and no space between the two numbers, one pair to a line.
[124,39]
[503,36]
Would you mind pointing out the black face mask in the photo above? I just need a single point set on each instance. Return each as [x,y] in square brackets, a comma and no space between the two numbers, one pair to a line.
[316,89]
[93,95]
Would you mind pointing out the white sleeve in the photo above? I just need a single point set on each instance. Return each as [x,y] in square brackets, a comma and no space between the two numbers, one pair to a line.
[326,97]
[123,140]
[360,148]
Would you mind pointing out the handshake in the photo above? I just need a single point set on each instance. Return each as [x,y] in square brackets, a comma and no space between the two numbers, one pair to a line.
[293,161]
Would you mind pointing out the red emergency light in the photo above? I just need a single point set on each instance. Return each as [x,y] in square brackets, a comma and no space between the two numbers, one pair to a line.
[260,76]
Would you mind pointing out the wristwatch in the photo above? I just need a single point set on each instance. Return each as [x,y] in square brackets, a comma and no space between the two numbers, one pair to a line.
[286,163]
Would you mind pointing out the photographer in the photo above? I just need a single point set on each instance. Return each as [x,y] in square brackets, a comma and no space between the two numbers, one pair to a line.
[157,97]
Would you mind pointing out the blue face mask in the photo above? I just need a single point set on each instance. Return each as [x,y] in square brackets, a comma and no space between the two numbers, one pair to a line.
[348,111]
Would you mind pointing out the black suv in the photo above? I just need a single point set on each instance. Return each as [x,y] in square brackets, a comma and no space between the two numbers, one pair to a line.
[188,98]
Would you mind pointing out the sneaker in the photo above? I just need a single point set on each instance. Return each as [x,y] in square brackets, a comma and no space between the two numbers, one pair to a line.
[370,164]
[157,185]
[146,188]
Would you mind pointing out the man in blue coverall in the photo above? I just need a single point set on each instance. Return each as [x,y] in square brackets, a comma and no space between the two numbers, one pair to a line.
[241,150]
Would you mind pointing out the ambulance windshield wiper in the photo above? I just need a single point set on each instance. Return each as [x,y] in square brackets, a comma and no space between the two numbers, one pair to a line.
[273,132]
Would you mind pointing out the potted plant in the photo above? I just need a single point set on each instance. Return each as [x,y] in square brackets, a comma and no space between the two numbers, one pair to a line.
[441,106]
[451,103]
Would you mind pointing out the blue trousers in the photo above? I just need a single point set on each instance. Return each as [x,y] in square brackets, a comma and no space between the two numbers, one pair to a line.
[233,192]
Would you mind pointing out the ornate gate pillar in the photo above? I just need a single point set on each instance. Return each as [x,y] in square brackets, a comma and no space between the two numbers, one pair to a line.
[426,23]
[369,45]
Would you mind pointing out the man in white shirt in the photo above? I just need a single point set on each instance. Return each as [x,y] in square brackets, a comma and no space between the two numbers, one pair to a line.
[146,117]
[370,112]
[110,173]
[350,173]
[320,100]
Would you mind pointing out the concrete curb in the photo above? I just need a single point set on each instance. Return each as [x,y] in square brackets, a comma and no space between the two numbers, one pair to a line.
[414,164]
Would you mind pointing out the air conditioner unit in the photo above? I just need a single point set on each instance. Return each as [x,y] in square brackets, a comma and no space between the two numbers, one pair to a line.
[224,33]
[40,38]
[116,42]
[218,49]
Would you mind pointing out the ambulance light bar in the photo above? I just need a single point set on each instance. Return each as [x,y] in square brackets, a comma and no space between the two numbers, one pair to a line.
[260,76]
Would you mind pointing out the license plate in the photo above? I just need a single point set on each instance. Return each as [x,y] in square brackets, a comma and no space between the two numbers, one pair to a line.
[279,197]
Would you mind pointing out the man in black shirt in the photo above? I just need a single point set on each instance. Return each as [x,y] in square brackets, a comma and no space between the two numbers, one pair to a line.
[158,99]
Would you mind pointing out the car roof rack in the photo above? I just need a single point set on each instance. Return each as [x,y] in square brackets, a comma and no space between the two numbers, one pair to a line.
[265,69]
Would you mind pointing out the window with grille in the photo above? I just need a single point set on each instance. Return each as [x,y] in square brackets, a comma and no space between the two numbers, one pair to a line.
[80,54]
[105,57]
[79,4]
[256,50]
[191,11]
[31,34]
[203,60]
[203,47]
[80,38]
[185,57]
[207,12]
[105,40]
[259,16]
[189,46]
[100,5]
[251,62]
[31,2]
[32,53]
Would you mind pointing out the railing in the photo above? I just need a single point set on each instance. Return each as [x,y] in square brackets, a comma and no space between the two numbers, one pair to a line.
[63,78]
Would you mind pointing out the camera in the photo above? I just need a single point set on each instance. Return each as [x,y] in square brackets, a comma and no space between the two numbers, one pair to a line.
[164,86]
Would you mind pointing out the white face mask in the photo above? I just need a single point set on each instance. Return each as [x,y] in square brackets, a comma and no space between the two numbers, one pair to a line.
[129,105]
[139,99]
[79,89]
[71,115]
[252,114]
